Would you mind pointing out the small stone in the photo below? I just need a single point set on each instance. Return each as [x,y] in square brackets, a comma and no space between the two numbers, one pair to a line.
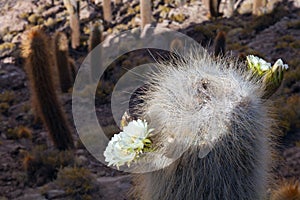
[102,173]
[82,160]
[54,194]
[51,11]
[246,7]
[35,196]
[50,22]
[33,19]
[7,38]
[80,152]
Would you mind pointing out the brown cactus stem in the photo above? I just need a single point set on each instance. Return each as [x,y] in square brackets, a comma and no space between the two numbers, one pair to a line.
[38,67]
[62,61]
[220,44]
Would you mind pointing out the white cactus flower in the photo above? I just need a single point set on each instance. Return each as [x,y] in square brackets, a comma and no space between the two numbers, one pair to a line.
[258,64]
[137,129]
[127,145]
[116,154]
[279,63]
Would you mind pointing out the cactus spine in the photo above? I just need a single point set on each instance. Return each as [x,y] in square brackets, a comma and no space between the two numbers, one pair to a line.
[107,10]
[146,12]
[62,61]
[35,51]
[287,191]
[73,8]
[212,118]
[220,44]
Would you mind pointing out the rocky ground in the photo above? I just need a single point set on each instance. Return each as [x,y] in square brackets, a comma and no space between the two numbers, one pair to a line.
[22,138]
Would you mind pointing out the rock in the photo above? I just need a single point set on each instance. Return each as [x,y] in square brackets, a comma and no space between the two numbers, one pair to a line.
[246,7]
[6,49]
[234,32]
[109,186]
[51,11]
[7,38]
[24,6]
[12,78]
[82,160]
[54,194]
[80,152]
[102,173]
[17,38]
[33,19]
[35,196]
[50,22]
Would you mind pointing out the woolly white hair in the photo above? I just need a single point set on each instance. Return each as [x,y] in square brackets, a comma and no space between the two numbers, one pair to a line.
[209,114]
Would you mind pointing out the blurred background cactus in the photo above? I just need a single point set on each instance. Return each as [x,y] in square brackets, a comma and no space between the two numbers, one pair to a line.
[95,39]
[118,2]
[95,36]
[146,12]
[107,13]
[62,61]
[44,98]
[220,44]
[73,8]
[213,8]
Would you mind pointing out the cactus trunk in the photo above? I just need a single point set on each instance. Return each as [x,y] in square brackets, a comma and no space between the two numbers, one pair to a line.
[73,8]
[146,12]
[220,44]
[107,10]
[212,118]
[38,68]
[118,2]
[62,61]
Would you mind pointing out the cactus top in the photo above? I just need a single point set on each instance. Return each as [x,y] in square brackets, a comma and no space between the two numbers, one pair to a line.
[196,101]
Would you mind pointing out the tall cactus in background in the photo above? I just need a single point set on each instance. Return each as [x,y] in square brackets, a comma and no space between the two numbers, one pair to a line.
[230,7]
[220,44]
[73,8]
[146,12]
[118,2]
[212,118]
[94,40]
[213,8]
[259,6]
[95,36]
[73,69]
[62,61]
[38,67]
[107,13]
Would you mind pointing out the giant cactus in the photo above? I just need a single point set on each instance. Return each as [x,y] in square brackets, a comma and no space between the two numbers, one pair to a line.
[38,67]
[146,12]
[73,8]
[62,61]
[107,13]
[211,116]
